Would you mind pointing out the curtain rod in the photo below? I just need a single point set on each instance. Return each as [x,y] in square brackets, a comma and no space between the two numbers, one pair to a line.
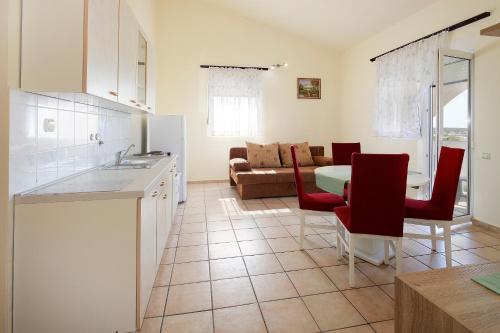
[450,28]
[240,67]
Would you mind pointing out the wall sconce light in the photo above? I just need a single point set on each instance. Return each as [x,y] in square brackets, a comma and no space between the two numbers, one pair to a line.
[277,66]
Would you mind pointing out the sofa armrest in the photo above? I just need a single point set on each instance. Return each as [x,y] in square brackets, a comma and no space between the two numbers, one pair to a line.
[240,164]
[322,160]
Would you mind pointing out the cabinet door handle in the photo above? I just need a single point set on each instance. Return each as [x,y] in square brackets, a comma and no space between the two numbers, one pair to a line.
[113,93]
[162,183]
[155,194]
[164,196]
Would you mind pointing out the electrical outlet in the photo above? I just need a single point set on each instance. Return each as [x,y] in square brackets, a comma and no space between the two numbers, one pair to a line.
[486,156]
[49,125]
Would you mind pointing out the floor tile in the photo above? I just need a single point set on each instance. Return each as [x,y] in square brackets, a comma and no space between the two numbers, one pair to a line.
[333,311]
[273,286]
[248,234]
[199,238]
[168,256]
[355,329]
[156,304]
[311,281]
[190,272]
[439,245]
[340,277]
[227,268]
[221,236]
[295,260]
[467,258]
[372,303]
[389,290]
[294,230]
[232,292]
[483,238]
[189,217]
[414,248]
[382,274]
[151,325]
[464,242]
[241,319]
[243,224]
[197,322]
[313,242]
[224,250]
[193,227]
[383,326]
[263,222]
[288,316]
[410,265]
[283,244]
[189,298]
[262,264]
[219,225]
[289,220]
[324,257]
[191,253]
[274,232]
[163,275]
[488,253]
[255,247]
[172,241]
[435,260]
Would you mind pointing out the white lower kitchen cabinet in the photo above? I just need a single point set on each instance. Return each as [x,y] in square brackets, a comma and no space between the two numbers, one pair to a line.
[87,264]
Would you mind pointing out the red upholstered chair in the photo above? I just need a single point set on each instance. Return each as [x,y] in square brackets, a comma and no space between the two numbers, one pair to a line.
[376,205]
[312,203]
[342,152]
[439,210]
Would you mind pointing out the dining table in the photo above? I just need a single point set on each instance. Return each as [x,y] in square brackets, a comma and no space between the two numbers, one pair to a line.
[333,178]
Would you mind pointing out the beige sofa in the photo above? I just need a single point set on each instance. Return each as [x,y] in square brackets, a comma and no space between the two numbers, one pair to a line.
[253,183]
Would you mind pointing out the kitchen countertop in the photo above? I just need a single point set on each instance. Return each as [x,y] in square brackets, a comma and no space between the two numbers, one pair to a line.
[98,184]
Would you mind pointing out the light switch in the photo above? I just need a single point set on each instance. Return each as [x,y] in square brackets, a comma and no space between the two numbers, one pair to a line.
[486,156]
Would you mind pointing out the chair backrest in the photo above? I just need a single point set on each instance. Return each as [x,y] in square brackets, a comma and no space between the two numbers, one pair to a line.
[377,193]
[446,182]
[342,152]
[297,175]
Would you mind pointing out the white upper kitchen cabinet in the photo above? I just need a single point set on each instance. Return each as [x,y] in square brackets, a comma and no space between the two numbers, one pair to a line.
[87,46]
[128,56]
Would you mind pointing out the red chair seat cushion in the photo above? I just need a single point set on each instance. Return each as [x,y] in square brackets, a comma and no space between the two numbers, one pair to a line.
[422,209]
[324,202]
[344,215]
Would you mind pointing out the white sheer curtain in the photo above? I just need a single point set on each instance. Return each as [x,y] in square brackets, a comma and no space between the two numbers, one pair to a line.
[404,78]
[234,102]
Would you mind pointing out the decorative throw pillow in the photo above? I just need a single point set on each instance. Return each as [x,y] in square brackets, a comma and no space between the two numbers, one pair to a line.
[263,156]
[240,164]
[303,154]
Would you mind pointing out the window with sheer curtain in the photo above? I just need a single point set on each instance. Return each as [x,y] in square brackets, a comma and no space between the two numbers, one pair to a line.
[234,102]
[404,78]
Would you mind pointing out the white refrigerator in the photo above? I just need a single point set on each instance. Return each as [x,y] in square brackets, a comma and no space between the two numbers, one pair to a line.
[168,134]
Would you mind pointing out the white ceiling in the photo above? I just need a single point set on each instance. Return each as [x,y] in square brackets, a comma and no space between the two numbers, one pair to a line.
[337,23]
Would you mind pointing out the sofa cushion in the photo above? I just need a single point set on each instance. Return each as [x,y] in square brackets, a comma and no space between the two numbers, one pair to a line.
[240,164]
[272,175]
[322,160]
[303,154]
[263,156]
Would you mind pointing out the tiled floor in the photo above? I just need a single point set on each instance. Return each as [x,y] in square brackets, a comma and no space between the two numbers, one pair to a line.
[235,266]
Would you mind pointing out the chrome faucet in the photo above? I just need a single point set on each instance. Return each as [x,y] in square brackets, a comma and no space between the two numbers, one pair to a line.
[122,154]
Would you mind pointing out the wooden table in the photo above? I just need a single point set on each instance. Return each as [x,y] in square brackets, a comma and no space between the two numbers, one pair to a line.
[447,300]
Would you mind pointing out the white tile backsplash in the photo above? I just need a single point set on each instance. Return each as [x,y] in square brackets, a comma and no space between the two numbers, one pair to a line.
[50,138]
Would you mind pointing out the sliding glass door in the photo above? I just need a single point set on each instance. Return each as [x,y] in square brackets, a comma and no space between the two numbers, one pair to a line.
[451,120]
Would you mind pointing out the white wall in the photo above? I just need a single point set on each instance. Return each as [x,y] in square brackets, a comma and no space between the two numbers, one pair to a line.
[358,82]
[191,33]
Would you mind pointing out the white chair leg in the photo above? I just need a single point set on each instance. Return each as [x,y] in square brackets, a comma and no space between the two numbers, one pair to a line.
[351,260]
[339,242]
[433,235]
[447,243]
[302,217]
[399,250]
[386,252]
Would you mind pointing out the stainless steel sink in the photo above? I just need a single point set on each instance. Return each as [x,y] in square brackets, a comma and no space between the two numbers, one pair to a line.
[135,163]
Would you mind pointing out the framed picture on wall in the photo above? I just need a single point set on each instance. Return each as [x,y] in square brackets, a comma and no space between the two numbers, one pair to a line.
[308,88]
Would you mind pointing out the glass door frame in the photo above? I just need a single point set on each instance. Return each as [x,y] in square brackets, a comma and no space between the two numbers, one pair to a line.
[440,103]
